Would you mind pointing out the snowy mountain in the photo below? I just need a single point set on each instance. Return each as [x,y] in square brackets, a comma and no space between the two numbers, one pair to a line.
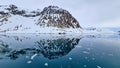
[51,20]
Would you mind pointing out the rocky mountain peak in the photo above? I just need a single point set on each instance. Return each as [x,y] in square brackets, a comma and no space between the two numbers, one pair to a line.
[57,17]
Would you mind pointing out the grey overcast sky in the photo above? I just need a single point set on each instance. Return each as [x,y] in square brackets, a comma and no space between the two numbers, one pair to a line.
[89,13]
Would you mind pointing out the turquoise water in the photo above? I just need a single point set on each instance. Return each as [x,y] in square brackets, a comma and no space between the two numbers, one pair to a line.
[59,51]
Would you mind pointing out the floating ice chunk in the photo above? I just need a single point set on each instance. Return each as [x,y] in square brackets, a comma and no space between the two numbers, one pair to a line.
[29,62]
[70,58]
[32,57]
[85,65]
[88,49]
[99,67]
[93,58]
[85,52]
[46,64]
[27,56]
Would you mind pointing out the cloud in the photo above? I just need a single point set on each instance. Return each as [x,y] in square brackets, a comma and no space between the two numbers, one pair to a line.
[111,23]
[87,12]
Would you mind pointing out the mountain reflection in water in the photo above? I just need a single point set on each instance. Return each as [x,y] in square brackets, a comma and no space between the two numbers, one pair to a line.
[50,47]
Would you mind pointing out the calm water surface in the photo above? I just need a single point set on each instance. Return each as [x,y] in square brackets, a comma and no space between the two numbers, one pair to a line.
[59,51]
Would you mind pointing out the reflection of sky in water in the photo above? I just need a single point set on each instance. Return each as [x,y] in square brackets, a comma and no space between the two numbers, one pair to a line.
[59,51]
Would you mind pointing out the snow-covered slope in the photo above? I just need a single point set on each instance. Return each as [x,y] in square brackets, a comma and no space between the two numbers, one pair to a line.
[51,20]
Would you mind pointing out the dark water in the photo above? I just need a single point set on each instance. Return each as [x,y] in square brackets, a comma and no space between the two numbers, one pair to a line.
[59,51]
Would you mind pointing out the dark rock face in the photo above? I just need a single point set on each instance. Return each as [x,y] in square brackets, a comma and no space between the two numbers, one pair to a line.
[4,16]
[57,17]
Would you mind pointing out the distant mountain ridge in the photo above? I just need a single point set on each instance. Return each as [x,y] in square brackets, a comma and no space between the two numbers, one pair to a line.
[12,9]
